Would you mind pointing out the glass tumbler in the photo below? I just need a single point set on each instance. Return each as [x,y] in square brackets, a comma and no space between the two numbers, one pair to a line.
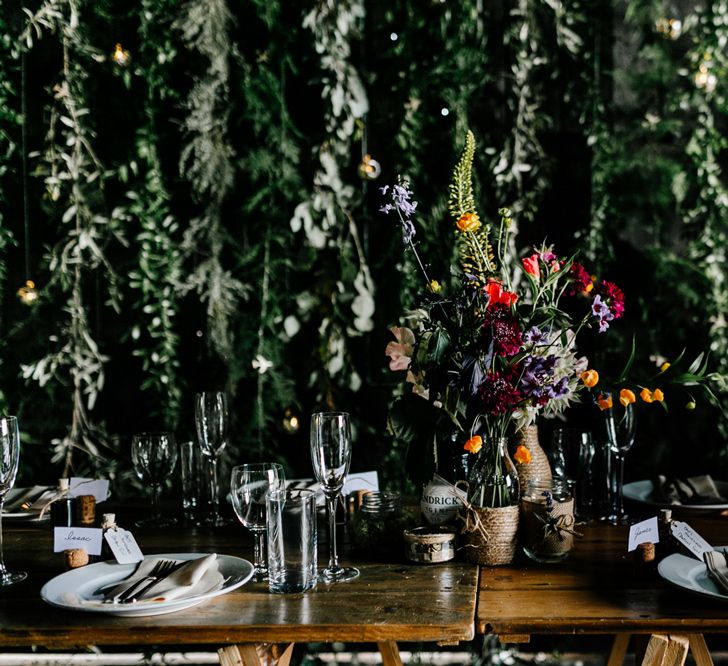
[291,540]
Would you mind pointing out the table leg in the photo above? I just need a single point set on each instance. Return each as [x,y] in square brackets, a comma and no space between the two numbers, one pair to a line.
[250,654]
[700,650]
[390,653]
[676,651]
[655,652]
[619,650]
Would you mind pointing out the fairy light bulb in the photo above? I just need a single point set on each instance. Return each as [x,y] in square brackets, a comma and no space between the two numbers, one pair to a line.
[120,56]
[369,168]
[291,422]
[28,293]
[671,28]
[705,79]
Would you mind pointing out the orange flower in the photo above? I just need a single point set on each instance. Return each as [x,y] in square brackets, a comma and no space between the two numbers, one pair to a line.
[604,402]
[522,455]
[468,222]
[626,397]
[590,378]
[664,367]
[658,395]
[646,395]
[474,444]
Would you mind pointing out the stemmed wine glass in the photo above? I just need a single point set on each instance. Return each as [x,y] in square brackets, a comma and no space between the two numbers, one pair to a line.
[249,487]
[620,434]
[211,421]
[154,455]
[331,456]
[9,457]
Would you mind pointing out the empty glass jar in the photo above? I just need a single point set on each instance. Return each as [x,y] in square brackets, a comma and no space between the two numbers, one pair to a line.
[547,520]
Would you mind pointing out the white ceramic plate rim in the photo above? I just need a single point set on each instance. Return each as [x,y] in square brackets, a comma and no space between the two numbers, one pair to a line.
[640,491]
[94,576]
[689,574]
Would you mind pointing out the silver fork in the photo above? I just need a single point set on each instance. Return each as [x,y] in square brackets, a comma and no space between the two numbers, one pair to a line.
[160,570]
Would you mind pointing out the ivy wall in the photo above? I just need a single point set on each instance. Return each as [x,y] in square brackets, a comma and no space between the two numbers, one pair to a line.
[186,184]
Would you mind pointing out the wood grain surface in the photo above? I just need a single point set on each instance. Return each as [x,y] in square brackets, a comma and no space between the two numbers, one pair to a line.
[598,590]
[388,602]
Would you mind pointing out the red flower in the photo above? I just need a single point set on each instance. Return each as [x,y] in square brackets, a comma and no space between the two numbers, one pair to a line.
[530,265]
[613,296]
[496,294]
[581,280]
[498,394]
[501,328]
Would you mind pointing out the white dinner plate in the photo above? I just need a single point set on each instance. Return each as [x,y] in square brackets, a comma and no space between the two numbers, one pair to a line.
[641,492]
[689,574]
[80,589]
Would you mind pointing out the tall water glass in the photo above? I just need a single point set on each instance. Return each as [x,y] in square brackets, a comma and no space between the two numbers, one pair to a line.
[154,455]
[572,458]
[291,540]
[211,423]
[249,486]
[331,456]
[9,458]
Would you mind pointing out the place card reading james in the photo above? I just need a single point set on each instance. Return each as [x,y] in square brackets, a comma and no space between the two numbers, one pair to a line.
[689,538]
[124,546]
[66,538]
[644,532]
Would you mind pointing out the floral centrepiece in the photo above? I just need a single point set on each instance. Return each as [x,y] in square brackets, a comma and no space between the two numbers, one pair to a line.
[488,353]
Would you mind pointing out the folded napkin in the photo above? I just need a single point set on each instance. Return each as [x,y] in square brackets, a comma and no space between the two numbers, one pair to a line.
[197,576]
[717,567]
[694,490]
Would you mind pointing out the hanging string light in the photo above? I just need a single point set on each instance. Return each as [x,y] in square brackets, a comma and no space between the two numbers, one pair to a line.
[670,28]
[28,293]
[704,78]
[291,422]
[120,56]
[369,168]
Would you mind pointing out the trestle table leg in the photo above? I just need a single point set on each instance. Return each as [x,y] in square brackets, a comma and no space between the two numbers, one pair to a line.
[390,653]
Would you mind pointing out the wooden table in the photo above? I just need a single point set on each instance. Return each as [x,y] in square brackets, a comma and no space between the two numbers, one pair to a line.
[598,590]
[387,603]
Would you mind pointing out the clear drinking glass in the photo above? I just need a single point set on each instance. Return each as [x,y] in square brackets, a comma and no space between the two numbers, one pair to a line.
[154,455]
[331,456]
[9,458]
[211,422]
[620,434]
[291,540]
[571,455]
[249,485]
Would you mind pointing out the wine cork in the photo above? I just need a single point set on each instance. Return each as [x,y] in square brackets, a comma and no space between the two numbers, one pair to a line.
[86,510]
[75,558]
[645,552]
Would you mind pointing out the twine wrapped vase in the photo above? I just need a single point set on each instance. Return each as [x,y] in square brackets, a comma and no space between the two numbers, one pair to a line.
[490,517]
[539,467]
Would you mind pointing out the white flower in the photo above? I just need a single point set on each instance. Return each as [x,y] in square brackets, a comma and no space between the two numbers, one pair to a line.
[261,364]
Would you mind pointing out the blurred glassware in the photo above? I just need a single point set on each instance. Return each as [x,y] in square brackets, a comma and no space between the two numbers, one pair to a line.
[620,435]
[572,457]
[249,487]
[211,423]
[154,455]
[9,459]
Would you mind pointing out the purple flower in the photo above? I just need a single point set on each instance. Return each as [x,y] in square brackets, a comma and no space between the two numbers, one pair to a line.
[534,334]
[402,202]
[602,313]
[548,256]
[559,389]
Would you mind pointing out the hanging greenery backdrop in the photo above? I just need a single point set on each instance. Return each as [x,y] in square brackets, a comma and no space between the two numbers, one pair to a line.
[202,209]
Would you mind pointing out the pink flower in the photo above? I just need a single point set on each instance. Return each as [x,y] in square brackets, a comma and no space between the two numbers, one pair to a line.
[530,265]
[400,352]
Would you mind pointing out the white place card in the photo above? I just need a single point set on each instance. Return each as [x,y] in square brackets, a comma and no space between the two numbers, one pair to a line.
[99,488]
[124,546]
[644,532]
[66,538]
[360,481]
[689,538]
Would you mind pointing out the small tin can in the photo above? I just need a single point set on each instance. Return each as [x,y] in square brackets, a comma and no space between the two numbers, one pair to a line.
[430,545]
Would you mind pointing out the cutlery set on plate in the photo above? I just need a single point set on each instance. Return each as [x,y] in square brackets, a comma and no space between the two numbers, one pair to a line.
[717,567]
[130,592]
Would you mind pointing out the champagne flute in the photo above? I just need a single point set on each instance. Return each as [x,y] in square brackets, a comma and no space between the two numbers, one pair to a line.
[211,420]
[249,487]
[620,435]
[9,458]
[154,455]
[331,456]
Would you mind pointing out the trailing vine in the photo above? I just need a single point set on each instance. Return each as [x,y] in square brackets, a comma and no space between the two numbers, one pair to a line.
[207,163]
[74,179]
